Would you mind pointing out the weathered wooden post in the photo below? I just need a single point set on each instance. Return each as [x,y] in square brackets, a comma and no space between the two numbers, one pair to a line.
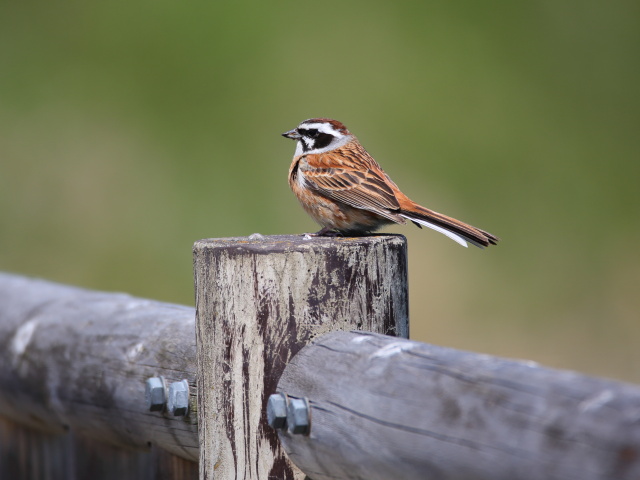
[258,302]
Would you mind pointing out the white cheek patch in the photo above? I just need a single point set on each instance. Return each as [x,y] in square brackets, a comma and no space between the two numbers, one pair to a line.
[308,142]
[335,143]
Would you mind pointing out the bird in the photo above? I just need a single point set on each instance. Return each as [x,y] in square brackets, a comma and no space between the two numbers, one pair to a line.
[348,193]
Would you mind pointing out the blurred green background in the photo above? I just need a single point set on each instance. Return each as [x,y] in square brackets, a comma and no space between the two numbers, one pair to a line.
[128,130]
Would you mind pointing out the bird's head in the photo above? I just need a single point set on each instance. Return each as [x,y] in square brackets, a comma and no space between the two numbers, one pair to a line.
[318,135]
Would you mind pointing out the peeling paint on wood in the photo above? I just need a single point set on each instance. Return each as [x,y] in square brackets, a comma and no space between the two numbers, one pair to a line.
[258,303]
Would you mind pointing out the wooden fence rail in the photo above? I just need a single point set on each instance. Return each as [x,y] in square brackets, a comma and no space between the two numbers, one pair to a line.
[78,359]
[383,408]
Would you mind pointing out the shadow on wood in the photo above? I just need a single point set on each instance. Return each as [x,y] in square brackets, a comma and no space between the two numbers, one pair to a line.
[34,455]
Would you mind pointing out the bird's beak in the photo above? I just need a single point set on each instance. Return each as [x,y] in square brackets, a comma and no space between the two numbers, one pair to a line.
[292,134]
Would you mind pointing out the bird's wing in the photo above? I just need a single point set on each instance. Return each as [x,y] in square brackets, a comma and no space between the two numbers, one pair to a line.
[356,181]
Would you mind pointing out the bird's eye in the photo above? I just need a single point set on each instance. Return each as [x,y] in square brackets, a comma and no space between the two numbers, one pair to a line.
[308,132]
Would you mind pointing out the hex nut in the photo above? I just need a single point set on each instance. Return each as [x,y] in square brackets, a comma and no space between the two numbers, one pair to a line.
[178,402]
[277,411]
[155,393]
[298,418]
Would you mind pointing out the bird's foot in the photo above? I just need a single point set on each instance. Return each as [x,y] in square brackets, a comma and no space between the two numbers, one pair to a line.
[329,232]
[324,232]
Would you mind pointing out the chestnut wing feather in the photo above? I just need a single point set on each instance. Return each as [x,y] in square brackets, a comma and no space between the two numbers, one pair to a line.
[357,182]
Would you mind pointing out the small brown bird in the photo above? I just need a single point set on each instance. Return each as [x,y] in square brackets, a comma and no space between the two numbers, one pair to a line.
[345,190]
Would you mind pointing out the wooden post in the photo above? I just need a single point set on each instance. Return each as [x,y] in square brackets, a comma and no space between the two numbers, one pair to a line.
[258,302]
[384,408]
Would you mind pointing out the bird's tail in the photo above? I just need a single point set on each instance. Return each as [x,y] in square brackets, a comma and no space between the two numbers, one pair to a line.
[456,230]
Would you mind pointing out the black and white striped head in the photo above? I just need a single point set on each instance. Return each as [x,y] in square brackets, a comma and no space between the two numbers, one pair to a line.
[318,135]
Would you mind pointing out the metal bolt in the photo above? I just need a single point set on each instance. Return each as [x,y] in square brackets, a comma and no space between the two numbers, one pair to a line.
[155,393]
[178,402]
[277,411]
[298,418]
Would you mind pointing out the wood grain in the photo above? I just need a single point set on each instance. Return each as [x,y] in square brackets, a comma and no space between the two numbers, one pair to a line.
[259,302]
[385,408]
[78,359]
[28,454]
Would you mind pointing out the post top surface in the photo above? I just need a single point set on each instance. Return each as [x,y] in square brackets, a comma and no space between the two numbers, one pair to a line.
[276,243]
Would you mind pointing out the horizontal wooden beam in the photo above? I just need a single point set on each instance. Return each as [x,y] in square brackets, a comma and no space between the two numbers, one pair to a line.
[384,407]
[79,359]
